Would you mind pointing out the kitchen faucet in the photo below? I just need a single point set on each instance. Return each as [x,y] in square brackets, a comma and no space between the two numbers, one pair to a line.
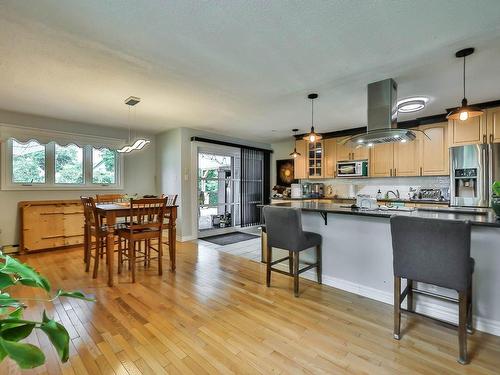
[396,194]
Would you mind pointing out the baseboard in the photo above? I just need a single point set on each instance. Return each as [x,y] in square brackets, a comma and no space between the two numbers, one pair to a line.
[425,307]
[185,238]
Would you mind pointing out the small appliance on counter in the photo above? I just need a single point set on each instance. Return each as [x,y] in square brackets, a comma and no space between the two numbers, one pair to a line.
[296,192]
[356,168]
[430,194]
[366,201]
[317,190]
[306,190]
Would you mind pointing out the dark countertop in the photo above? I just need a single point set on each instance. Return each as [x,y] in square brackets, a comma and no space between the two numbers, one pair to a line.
[428,201]
[488,219]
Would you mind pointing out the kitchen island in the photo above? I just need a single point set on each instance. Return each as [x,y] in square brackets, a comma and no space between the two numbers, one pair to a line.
[357,257]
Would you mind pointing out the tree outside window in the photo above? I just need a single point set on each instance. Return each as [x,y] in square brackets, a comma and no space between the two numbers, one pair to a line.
[103,166]
[68,164]
[28,162]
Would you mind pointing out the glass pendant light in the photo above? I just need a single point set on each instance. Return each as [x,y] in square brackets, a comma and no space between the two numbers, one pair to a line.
[312,136]
[465,111]
[294,154]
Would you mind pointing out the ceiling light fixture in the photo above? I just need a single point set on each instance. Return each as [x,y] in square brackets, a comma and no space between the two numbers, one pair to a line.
[413,104]
[138,143]
[294,154]
[312,136]
[464,111]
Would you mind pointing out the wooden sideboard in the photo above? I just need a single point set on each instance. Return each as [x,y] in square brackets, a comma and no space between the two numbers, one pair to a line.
[50,224]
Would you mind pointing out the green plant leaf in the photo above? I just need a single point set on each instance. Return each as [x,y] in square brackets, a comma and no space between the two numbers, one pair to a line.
[26,355]
[57,335]
[17,313]
[16,331]
[7,301]
[74,294]
[27,275]
[5,281]
[496,188]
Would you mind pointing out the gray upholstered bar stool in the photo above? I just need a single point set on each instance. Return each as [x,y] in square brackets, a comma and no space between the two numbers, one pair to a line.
[284,231]
[435,252]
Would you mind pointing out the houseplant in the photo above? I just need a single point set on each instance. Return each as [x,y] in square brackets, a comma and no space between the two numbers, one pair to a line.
[495,198]
[13,328]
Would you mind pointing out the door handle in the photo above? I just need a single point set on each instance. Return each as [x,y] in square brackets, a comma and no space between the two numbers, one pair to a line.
[420,171]
[491,138]
[394,171]
[484,138]
[390,172]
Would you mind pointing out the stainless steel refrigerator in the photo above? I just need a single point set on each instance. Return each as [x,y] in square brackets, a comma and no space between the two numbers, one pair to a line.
[474,168]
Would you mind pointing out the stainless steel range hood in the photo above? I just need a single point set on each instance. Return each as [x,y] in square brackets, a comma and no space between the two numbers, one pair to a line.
[382,117]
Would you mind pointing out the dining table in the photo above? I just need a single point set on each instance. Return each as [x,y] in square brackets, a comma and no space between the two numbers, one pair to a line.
[111,211]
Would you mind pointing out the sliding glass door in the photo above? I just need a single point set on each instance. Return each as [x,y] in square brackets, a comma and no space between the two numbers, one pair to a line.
[218,191]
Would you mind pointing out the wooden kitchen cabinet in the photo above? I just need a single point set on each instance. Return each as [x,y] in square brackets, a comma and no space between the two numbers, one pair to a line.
[493,124]
[299,163]
[50,224]
[434,152]
[468,132]
[382,160]
[330,157]
[315,159]
[343,151]
[360,153]
[407,157]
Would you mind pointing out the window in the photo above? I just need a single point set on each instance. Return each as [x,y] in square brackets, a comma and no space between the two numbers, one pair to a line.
[51,166]
[68,164]
[103,166]
[28,162]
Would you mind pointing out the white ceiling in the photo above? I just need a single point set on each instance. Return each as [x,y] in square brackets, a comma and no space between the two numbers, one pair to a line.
[243,68]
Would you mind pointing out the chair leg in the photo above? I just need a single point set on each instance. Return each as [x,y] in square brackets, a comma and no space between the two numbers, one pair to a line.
[171,254]
[88,251]
[319,263]
[160,256]
[290,262]
[296,273]
[268,265]
[462,327]
[397,308]
[120,256]
[131,257]
[409,297]
[96,257]
[470,328]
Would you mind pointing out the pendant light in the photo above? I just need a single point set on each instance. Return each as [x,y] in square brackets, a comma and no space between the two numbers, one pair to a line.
[312,136]
[294,154]
[464,111]
[138,143]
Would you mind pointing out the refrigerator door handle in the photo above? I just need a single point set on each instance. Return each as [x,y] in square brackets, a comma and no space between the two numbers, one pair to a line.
[486,154]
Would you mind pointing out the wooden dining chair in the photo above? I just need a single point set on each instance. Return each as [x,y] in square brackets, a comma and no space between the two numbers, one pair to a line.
[171,201]
[93,229]
[146,226]
[109,198]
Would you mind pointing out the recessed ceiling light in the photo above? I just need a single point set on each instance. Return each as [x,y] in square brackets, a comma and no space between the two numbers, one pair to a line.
[412,104]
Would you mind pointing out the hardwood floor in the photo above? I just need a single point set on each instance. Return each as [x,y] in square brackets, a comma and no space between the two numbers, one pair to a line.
[216,316]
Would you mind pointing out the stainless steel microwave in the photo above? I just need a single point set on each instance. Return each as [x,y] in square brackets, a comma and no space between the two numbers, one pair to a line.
[356,168]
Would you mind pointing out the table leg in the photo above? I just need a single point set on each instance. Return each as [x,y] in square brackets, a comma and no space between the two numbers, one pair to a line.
[110,244]
[171,244]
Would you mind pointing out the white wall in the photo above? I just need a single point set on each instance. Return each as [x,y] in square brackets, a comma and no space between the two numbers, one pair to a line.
[139,170]
[174,169]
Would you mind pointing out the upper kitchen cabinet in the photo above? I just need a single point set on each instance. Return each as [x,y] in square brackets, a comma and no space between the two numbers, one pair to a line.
[300,161]
[407,157]
[330,157]
[344,151]
[315,159]
[471,131]
[434,155]
[382,160]
[493,124]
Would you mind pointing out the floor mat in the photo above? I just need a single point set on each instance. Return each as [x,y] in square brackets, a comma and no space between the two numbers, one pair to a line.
[229,238]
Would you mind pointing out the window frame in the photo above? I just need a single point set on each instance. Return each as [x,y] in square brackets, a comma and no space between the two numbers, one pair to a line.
[50,184]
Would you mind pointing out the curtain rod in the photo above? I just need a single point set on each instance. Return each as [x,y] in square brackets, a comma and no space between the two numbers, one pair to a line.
[222,143]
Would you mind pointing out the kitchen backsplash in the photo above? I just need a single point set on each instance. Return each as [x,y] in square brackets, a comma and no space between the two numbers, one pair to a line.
[350,187]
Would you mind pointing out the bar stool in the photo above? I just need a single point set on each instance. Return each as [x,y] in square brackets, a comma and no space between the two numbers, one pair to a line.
[284,231]
[434,252]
